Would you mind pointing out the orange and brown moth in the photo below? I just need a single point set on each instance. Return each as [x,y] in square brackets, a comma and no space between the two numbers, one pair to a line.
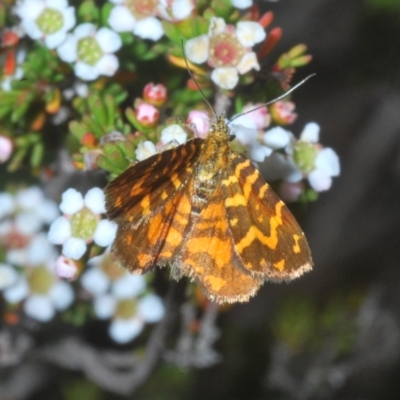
[205,210]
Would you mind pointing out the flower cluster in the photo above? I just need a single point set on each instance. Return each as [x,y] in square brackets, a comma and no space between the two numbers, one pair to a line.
[27,275]
[94,87]
[227,49]
[121,297]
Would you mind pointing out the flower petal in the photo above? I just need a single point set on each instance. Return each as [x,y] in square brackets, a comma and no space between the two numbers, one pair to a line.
[121,19]
[277,138]
[319,180]
[241,4]
[173,132]
[123,331]
[197,49]
[181,9]
[86,71]
[217,26]
[94,200]
[68,51]
[39,307]
[8,276]
[84,30]
[226,78]
[55,39]
[149,28]
[7,204]
[145,150]
[249,33]
[151,308]
[61,295]
[328,162]
[71,201]
[95,281]
[107,65]
[258,152]
[60,231]
[105,233]
[104,306]
[108,40]
[128,286]
[17,292]
[74,248]
[310,133]
[249,61]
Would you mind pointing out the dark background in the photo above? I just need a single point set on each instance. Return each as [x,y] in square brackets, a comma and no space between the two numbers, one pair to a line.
[353,229]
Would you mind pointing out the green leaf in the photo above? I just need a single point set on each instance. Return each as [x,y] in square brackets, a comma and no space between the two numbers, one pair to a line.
[98,109]
[77,129]
[171,32]
[37,154]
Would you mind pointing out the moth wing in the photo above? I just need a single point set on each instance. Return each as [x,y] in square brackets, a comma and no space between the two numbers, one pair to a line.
[267,239]
[150,205]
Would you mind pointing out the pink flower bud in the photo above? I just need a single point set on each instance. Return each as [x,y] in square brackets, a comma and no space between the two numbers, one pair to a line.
[202,122]
[155,94]
[283,112]
[6,148]
[66,268]
[146,114]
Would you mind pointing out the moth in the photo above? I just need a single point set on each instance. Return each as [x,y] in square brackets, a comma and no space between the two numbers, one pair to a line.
[204,209]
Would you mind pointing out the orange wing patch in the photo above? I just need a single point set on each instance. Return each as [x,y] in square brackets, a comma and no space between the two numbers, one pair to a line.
[208,256]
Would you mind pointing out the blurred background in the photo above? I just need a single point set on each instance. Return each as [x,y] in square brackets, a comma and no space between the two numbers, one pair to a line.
[334,334]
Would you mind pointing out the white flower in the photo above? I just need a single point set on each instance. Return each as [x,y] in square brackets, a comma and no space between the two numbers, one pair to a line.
[227,49]
[120,296]
[43,307]
[128,15]
[172,133]
[81,223]
[145,150]
[46,20]
[22,220]
[91,51]
[43,294]
[149,309]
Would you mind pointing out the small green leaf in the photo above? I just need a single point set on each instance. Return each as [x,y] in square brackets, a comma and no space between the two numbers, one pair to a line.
[37,154]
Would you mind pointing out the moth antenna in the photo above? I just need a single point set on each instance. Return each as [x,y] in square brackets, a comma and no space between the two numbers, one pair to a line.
[194,80]
[276,99]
